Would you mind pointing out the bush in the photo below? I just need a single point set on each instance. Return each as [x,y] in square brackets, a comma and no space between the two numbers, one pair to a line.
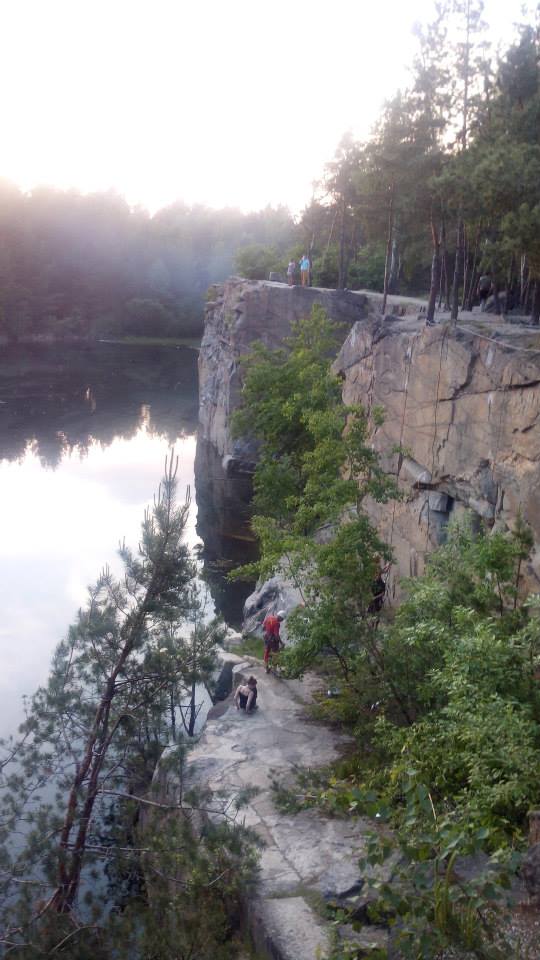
[256,261]
[367,270]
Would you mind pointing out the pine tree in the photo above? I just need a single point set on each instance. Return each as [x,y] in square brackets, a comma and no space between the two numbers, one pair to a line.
[92,736]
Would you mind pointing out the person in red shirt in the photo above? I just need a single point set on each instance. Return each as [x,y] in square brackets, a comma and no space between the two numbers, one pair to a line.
[272,642]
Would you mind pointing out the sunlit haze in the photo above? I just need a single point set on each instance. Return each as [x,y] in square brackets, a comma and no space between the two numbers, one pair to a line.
[227,104]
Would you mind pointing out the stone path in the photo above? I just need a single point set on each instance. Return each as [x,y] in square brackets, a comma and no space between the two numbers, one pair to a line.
[306,858]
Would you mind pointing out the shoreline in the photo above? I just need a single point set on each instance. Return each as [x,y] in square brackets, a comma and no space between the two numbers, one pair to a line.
[192,343]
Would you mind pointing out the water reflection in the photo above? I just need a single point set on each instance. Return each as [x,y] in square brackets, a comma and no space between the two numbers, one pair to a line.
[104,419]
[58,398]
[223,524]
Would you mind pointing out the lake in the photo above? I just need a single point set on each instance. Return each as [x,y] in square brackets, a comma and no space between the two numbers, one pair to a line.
[84,433]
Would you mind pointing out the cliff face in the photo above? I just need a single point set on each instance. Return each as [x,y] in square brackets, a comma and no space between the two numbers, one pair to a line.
[465,411]
[462,404]
[237,313]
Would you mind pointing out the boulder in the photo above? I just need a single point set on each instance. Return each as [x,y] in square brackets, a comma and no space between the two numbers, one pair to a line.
[272,595]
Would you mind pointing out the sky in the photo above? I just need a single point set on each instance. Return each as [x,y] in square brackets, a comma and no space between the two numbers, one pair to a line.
[221,102]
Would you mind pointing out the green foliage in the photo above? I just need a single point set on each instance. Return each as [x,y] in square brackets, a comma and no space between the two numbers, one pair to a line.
[366,272]
[255,261]
[453,681]
[286,395]
[446,713]
[251,646]
[431,904]
[457,148]
[90,266]
[324,272]
[196,882]
[316,467]
[149,318]
[75,784]
[521,230]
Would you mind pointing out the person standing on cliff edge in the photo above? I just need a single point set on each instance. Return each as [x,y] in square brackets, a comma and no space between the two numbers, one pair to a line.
[304,270]
[291,270]
[272,641]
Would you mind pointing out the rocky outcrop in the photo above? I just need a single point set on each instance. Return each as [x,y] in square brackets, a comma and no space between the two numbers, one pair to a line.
[464,409]
[306,859]
[237,313]
[462,403]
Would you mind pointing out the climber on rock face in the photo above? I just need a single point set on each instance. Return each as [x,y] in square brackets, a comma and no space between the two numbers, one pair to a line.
[272,641]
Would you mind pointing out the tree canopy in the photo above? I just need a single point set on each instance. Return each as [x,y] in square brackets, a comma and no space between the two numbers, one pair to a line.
[446,187]
[89,265]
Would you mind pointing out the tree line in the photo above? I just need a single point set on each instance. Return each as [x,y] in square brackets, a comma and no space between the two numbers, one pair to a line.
[90,265]
[446,188]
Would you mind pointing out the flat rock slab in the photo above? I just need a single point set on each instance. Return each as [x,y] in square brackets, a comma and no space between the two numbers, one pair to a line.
[303,855]
[288,930]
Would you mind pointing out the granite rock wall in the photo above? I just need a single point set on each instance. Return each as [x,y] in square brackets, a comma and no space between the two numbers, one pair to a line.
[237,313]
[464,409]
[462,403]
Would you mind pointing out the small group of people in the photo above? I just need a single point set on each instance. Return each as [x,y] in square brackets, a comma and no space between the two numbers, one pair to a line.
[305,268]
[245,697]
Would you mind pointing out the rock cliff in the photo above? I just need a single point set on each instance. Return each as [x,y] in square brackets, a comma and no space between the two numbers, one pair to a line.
[462,403]
[237,313]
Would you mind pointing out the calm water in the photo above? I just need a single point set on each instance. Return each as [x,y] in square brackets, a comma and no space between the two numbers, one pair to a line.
[84,432]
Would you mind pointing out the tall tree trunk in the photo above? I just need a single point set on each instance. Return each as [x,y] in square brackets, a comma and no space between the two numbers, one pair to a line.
[435,272]
[388,247]
[473,277]
[535,312]
[523,279]
[445,271]
[466,267]
[466,72]
[394,266]
[454,303]
[173,714]
[341,267]
[192,711]
[496,298]
[510,285]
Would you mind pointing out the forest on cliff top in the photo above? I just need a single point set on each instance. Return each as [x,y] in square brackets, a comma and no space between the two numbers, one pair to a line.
[448,184]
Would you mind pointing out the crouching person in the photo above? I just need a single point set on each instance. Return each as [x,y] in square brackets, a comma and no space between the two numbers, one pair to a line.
[245,697]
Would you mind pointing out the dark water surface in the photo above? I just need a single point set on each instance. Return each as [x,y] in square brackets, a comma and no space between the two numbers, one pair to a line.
[84,432]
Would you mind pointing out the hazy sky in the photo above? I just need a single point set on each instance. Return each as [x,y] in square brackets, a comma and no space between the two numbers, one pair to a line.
[224,102]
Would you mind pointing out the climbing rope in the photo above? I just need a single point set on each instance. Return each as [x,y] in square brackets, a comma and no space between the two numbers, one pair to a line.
[499,343]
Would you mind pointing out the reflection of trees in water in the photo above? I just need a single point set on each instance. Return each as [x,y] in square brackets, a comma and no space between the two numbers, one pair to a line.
[223,524]
[55,398]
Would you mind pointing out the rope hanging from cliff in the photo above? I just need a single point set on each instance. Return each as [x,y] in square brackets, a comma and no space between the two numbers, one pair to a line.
[499,343]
